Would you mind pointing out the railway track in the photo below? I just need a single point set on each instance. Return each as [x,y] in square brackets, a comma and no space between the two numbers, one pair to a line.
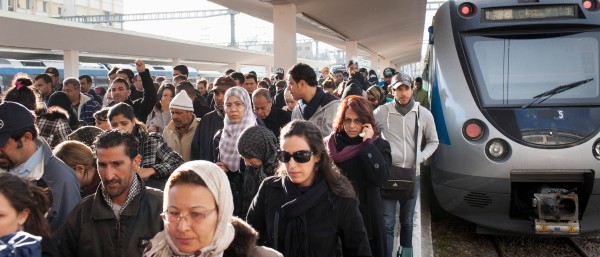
[509,246]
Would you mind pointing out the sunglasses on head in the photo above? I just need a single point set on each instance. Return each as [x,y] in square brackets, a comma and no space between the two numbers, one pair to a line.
[301,156]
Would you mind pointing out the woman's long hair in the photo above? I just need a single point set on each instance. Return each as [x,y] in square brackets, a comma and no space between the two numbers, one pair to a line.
[127,111]
[361,106]
[24,195]
[159,94]
[338,183]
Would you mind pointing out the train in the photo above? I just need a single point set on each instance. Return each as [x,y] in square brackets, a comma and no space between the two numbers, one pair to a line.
[98,71]
[515,96]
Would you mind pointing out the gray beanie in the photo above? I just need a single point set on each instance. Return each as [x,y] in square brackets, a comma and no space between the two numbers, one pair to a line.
[182,101]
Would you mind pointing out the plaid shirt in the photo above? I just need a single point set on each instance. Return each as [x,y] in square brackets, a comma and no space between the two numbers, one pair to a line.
[53,131]
[135,189]
[157,154]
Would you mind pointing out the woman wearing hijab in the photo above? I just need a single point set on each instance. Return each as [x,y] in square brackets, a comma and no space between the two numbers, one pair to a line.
[198,208]
[308,209]
[238,116]
[363,157]
[258,147]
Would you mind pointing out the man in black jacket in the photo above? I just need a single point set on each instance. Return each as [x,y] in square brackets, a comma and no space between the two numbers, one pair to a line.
[274,118]
[121,93]
[123,215]
[202,145]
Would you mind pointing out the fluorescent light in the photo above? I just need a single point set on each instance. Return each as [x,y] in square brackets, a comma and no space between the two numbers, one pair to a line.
[317,24]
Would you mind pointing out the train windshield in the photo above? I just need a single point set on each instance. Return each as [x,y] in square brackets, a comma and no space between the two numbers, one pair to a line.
[510,71]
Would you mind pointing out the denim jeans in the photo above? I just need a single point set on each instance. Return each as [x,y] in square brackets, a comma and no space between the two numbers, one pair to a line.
[407,211]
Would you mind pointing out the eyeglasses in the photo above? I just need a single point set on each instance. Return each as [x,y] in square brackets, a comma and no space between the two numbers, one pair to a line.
[301,156]
[348,122]
[174,217]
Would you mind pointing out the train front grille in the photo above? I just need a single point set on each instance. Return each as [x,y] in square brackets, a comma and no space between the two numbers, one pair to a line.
[477,199]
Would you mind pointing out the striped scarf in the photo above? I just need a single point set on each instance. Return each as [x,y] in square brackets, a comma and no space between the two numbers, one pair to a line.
[228,153]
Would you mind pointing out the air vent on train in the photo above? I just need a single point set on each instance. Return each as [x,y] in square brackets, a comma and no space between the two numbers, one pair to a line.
[477,199]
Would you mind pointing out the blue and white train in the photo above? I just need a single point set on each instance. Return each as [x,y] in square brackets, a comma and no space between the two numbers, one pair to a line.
[516,100]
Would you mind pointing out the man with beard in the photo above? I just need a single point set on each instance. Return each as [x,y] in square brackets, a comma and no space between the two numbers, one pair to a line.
[123,215]
[179,133]
[24,154]
[202,145]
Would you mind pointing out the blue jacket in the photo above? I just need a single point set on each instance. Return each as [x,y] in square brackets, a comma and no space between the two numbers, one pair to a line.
[87,107]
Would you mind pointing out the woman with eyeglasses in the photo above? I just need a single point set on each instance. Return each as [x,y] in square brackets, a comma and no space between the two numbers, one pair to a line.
[238,116]
[308,208]
[158,159]
[363,157]
[198,208]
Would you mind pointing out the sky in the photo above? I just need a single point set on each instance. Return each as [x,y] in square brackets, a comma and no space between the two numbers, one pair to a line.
[204,30]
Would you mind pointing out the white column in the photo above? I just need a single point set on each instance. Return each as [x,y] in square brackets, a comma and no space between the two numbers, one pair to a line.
[71,58]
[375,62]
[268,71]
[69,8]
[284,30]
[384,63]
[4,6]
[234,65]
[351,50]
[175,61]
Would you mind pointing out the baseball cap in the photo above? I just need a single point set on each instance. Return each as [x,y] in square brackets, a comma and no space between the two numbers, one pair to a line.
[279,71]
[53,71]
[401,79]
[388,72]
[223,83]
[13,117]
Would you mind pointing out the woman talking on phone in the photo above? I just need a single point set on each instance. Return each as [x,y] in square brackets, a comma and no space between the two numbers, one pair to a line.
[363,157]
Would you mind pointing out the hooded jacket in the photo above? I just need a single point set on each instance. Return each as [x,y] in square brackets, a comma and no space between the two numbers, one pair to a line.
[323,117]
[398,130]
[87,108]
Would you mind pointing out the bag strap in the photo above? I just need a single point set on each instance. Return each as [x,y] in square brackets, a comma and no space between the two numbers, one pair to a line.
[416,135]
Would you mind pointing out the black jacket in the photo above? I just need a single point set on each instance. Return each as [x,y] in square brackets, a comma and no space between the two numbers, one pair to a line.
[279,100]
[142,107]
[202,145]
[330,219]
[93,230]
[277,119]
[367,171]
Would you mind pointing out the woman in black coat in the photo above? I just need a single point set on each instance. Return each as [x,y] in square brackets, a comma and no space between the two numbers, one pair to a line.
[309,209]
[363,157]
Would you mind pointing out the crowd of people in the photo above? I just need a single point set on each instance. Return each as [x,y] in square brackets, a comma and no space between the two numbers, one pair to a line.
[293,165]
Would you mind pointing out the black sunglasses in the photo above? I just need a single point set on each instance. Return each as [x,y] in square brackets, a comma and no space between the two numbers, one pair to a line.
[301,156]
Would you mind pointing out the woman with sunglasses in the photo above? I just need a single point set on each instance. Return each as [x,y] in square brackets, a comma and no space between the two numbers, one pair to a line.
[198,208]
[158,159]
[308,208]
[363,157]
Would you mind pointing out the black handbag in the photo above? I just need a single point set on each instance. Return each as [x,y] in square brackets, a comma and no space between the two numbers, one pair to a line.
[400,184]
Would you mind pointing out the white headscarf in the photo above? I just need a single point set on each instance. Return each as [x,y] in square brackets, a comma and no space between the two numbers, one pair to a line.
[218,184]
[231,132]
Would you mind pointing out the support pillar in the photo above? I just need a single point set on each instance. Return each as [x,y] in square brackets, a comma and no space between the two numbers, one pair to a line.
[71,60]
[268,71]
[175,61]
[375,62]
[234,65]
[284,30]
[384,63]
[351,50]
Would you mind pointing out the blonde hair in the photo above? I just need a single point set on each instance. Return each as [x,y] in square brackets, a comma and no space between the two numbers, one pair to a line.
[75,153]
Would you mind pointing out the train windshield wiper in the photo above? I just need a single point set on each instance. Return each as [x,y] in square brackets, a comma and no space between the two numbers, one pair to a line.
[562,88]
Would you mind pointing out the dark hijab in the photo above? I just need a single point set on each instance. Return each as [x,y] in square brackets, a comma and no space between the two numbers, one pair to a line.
[61,99]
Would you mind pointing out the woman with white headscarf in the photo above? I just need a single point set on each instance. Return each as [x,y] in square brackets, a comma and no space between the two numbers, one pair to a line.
[198,208]
[238,116]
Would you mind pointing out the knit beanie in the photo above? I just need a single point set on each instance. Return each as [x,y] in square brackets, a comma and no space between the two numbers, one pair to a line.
[182,102]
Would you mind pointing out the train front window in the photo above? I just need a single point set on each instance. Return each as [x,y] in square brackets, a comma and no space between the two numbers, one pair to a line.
[510,71]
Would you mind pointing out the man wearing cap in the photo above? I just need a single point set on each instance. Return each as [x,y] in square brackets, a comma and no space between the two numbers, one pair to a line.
[121,91]
[180,131]
[25,154]
[202,145]
[396,121]
[53,72]
[388,73]
[314,104]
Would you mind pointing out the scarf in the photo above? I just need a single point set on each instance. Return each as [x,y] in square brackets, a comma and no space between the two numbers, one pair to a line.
[259,142]
[20,244]
[404,108]
[342,148]
[231,132]
[308,109]
[162,245]
[294,211]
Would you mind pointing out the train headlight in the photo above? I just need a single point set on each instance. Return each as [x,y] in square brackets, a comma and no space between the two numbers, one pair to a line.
[497,149]
[588,4]
[467,9]
[473,129]
[596,149]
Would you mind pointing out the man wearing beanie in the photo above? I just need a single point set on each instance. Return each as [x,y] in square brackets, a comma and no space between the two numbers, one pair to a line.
[180,131]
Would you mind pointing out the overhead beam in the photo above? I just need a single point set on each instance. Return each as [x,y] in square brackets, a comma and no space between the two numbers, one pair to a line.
[110,18]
